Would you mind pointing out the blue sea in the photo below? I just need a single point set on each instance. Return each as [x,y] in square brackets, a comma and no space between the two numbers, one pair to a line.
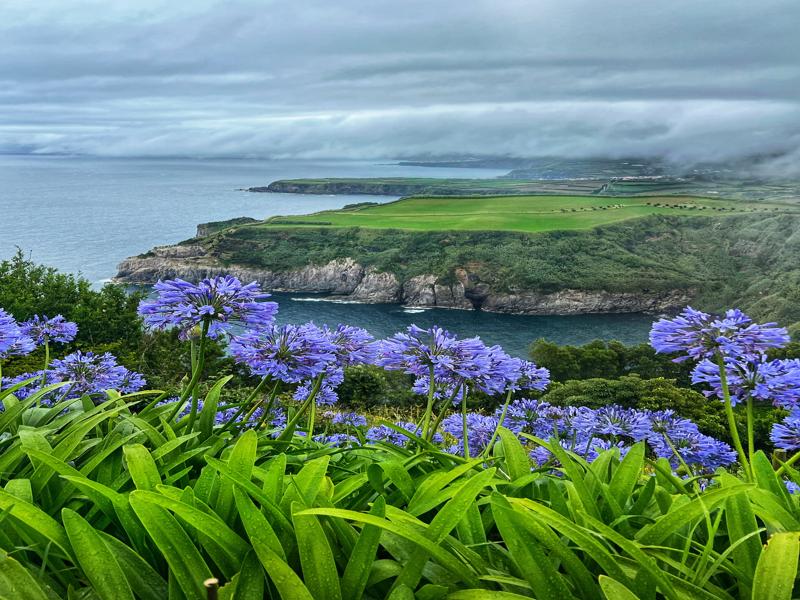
[85,214]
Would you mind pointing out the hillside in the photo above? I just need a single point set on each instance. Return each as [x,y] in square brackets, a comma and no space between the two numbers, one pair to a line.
[613,184]
[654,263]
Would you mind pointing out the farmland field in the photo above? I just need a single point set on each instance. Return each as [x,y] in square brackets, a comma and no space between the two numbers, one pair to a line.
[518,213]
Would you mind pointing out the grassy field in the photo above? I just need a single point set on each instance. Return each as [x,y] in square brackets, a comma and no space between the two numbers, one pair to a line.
[518,213]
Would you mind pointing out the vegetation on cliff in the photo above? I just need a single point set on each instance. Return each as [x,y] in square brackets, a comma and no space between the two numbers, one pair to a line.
[751,259]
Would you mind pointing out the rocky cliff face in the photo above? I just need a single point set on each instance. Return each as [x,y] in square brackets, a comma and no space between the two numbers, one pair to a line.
[347,279]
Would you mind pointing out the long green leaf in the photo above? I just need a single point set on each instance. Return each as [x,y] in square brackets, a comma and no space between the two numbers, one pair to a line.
[142,467]
[517,461]
[356,574]
[679,517]
[614,590]
[185,562]
[209,525]
[256,524]
[446,559]
[289,585]
[526,552]
[17,583]
[30,516]
[240,462]
[316,556]
[627,474]
[98,564]
[143,579]
[777,569]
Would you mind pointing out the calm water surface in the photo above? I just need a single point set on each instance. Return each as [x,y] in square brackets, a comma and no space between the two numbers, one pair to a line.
[84,215]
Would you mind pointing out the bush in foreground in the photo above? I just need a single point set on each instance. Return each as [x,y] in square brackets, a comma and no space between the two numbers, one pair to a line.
[142,494]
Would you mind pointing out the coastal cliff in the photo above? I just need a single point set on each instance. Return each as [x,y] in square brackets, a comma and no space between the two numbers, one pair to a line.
[346,279]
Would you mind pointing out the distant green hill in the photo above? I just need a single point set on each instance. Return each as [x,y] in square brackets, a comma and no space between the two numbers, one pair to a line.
[519,213]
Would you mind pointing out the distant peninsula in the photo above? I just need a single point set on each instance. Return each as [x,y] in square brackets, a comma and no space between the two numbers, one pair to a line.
[535,254]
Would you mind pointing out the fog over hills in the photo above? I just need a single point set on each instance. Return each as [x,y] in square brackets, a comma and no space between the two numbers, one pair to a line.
[682,81]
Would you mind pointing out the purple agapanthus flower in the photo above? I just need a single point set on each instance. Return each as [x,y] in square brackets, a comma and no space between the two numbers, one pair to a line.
[353,345]
[289,353]
[614,421]
[417,350]
[13,340]
[776,381]
[221,301]
[349,419]
[501,373]
[43,330]
[90,373]
[326,394]
[384,433]
[532,377]
[696,335]
[337,440]
[480,429]
[36,380]
[84,373]
[704,451]
[786,435]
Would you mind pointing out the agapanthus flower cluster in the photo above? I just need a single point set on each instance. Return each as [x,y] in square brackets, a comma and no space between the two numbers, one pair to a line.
[90,373]
[13,340]
[347,419]
[352,345]
[42,329]
[337,440]
[289,353]
[588,432]
[384,433]
[224,414]
[786,435]
[776,381]
[697,335]
[84,373]
[480,429]
[220,301]
[417,350]
[457,365]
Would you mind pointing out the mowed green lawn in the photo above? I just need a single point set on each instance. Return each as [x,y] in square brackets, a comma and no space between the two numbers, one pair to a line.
[518,213]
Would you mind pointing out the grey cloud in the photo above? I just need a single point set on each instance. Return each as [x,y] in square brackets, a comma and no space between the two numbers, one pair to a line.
[682,80]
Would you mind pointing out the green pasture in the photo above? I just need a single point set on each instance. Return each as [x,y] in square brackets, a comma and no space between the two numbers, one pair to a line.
[519,213]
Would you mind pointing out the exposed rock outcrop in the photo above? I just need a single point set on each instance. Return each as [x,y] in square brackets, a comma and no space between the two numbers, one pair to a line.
[347,279]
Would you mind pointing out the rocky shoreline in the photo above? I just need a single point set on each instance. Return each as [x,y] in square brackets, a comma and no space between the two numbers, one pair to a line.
[346,279]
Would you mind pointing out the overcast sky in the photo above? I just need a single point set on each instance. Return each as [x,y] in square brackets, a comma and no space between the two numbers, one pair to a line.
[682,79]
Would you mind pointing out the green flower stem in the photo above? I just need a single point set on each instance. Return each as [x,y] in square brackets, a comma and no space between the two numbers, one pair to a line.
[442,413]
[681,461]
[197,372]
[258,389]
[751,447]
[788,464]
[488,449]
[268,409]
[426,418]
[464,433]
[296,417]
[726,396]
[46,360]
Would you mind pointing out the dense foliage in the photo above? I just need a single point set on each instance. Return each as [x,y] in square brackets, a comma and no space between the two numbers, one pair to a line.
[118,493]
[609,360]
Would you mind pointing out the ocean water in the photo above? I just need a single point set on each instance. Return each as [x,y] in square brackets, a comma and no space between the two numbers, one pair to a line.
[84,215]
